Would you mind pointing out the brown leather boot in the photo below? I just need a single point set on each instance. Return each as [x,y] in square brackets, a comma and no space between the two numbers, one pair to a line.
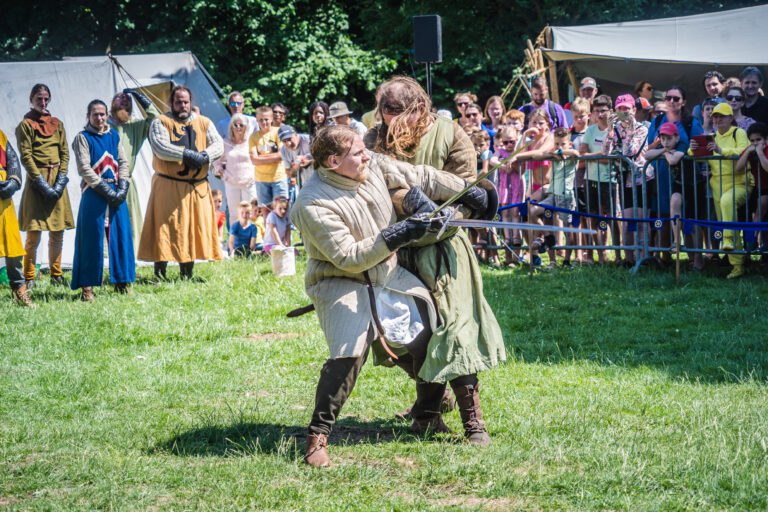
[468,400]
[316,455]
[432,424]
[87,294]
[447,404]
[21,297]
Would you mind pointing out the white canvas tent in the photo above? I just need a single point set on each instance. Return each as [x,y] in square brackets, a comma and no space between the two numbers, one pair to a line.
[665,52]
[75,81]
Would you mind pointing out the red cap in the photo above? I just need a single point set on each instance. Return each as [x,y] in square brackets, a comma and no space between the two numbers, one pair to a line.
[668,129]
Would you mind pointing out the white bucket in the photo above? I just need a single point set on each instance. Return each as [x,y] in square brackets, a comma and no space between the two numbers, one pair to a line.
[283,261]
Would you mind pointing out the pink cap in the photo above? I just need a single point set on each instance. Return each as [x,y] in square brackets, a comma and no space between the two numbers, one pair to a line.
[625,100]
[668,129]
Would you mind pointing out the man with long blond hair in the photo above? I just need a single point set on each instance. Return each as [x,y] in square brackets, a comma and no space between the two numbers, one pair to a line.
[469,339]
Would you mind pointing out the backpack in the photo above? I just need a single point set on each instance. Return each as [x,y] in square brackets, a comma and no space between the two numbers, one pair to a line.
[528,109]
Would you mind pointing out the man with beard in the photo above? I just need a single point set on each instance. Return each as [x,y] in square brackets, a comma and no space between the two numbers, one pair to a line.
[539,92]
[365,300]
[469,338]
[180,223]
[132,134]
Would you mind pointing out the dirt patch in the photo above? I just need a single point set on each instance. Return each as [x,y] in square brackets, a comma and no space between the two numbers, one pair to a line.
[7,501]
[406,462]
[270,336]
[482,503]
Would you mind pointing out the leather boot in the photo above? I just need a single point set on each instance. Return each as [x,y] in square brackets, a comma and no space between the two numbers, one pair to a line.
[447,404]
[316,456]
[431,424]
[87,294]
[468,400]
[22,297]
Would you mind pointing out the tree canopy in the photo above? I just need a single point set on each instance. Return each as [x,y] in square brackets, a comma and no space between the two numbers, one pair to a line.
[299,51]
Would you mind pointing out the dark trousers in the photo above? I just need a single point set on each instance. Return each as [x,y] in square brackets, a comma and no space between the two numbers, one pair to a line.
[15,270]
[338,377]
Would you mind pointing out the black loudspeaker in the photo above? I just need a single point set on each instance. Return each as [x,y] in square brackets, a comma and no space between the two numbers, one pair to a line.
[427,39]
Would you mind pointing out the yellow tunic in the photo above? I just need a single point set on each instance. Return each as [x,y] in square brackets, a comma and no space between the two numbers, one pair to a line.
[10,238]
[180,222]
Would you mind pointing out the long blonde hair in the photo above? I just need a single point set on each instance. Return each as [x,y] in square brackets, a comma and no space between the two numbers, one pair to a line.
[404,97]
[231,129]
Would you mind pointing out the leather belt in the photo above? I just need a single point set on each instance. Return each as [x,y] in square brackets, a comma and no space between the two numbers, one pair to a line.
[375,314]
[191,182]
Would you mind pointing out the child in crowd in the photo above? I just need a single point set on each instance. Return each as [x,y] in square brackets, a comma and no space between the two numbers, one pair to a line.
[560,192]
[756,158]
[688,188]
[537,171]
[706,115]
[258,219]
[511,188]
[730,188]
[243,233]
[221,217]
[482,142]
[581,113]
[278,226]
[514,119]
[264,146]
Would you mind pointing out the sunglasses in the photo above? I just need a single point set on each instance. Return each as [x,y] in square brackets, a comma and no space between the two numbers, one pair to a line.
[659,112]
[238,125]
[235,103]
[474,114]
[734,98]
[462,103]
[648,88]
[508,141]
[278,112]
[673,99]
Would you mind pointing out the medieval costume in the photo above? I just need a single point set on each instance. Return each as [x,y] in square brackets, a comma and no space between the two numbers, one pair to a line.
[45,202]
[180,223]
[469,338]
[10,239]
[352,272]
[132,134]
[102,164]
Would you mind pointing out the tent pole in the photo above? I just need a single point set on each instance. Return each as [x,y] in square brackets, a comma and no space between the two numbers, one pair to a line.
[554,91]
[572,77]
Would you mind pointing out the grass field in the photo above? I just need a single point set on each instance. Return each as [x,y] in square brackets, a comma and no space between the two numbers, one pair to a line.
[620,392]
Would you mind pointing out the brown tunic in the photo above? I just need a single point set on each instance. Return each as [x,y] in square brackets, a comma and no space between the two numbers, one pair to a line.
[37,151]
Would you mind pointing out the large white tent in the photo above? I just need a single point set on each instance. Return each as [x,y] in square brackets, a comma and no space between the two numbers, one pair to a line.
[665,52]
[75,81]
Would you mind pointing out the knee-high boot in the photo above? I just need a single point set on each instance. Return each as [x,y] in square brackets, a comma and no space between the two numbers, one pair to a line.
[466,389]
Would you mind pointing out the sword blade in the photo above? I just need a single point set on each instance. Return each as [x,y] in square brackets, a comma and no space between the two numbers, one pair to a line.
[469,223]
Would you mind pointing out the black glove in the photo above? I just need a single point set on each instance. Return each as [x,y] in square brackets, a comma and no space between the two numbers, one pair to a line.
[8,188]
[193,159]
[405,231]
[122,193]
[416,201]
[44,189]
[140,98]
[476,199]
[60,184]
[107,192]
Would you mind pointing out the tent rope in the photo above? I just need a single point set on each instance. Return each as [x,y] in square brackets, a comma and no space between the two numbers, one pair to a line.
[128,78]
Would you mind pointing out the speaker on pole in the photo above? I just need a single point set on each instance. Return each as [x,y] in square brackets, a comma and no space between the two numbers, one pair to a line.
[427,39]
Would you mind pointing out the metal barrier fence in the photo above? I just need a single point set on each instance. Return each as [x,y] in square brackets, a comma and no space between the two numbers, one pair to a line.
[645,209]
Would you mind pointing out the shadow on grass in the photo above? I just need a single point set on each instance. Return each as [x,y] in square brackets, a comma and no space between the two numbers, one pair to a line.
[244,438]
[708,329]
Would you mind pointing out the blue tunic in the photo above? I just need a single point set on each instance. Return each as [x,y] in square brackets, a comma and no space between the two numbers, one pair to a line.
[88,265]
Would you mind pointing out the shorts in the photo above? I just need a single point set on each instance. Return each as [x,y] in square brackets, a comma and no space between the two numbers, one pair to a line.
[567,202]
[266,192]
[628,201]
[601,195]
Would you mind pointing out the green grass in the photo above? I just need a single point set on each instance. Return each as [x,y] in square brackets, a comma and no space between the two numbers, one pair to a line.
[620,392]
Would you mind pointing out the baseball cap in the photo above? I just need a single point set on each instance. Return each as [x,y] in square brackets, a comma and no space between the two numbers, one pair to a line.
[625,100]
[588,83]
[642,103]
[723,109]
[339,108]
[285,132]
[668,129]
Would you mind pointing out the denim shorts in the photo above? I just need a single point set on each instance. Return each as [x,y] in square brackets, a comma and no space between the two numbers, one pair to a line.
[266,192]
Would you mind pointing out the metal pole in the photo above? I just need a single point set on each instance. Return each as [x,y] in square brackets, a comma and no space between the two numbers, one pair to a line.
[429,79]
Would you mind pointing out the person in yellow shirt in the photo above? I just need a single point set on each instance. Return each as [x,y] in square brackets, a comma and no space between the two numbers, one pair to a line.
[730,188]
[264,146]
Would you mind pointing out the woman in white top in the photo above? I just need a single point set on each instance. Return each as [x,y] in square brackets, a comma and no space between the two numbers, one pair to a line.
[235,167]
